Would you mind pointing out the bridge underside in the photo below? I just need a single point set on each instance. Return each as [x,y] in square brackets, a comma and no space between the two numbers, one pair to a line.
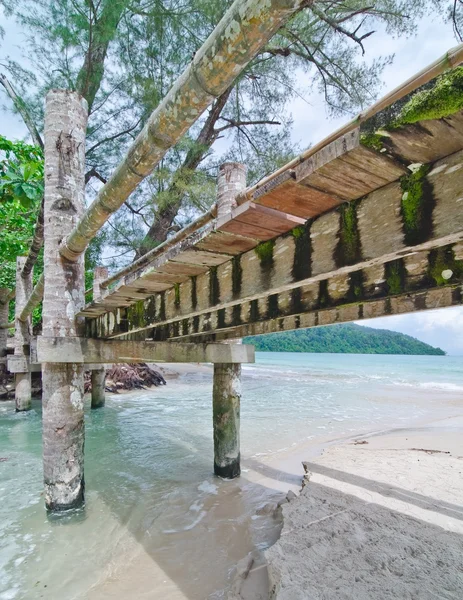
[374,256]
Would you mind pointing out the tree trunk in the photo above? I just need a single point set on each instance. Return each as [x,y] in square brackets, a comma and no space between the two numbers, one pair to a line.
[103,32]
[165,216]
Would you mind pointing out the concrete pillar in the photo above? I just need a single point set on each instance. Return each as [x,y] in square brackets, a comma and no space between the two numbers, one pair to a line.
[227,376]
[22,337]
[99,275]
[231,181]
[4,306]
[226,396]
[98,385]
[64,290]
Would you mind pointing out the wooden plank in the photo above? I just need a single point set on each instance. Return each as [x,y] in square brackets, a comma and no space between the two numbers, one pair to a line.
[181,269]
[299,200]
[219,241]
[200,257]
[346,170]
[321,250]
[79,350]
[426,141]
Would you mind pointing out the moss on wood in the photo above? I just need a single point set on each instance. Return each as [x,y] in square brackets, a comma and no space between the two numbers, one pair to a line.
[395,277]
[177,295]
[265,253]
[194,294]
[324,299]
[417,206]
[374,141]
[273,310]
[237,275]
[254,311]
[444,268]
[162,309]
[302,262]
[214,287]
[356,291]
[444,99]
[348,250]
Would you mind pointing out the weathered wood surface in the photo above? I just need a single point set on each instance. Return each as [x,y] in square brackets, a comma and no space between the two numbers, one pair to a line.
[63,384]
[343,171]
[359,237]
[84,350]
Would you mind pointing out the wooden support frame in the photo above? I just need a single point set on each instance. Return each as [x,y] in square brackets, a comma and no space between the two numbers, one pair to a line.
[78,350]
[348,254]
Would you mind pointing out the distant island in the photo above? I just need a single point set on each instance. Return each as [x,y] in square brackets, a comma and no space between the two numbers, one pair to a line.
[347,338]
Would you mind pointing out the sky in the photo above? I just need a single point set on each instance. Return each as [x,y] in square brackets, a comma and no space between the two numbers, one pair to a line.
[444,327]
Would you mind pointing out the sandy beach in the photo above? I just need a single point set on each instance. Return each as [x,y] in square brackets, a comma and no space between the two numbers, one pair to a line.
[378,517]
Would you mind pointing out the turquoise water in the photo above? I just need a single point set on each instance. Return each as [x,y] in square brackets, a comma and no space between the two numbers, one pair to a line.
[152,501]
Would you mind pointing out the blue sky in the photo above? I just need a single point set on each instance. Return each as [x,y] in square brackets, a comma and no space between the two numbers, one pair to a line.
[444,327]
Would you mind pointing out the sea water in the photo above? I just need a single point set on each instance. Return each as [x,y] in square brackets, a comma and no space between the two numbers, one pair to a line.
[157,524]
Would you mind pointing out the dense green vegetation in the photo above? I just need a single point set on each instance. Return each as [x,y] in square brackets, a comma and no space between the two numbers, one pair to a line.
[346,338]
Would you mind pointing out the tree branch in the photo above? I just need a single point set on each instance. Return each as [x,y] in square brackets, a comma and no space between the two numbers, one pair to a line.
[21,108]
[233,123]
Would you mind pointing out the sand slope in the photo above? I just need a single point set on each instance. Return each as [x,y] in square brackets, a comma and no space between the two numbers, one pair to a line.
[381,520]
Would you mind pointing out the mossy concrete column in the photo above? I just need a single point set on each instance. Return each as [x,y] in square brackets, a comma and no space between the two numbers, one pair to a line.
[226,397]
[22,338]
[64,291]
[98,387]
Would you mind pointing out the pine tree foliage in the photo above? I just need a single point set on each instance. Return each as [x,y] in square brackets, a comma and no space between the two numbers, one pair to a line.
[124,55]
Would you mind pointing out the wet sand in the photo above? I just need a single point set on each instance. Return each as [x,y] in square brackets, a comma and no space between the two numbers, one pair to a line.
[380,517]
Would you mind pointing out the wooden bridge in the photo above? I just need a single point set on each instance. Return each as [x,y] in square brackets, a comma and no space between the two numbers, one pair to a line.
[367,223]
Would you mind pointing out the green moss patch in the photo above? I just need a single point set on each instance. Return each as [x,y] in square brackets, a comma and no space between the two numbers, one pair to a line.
[265,253]
[395,277]
[214,287]
[237,276]
[302,263]
[177,295]
[443,100]
[443,266]
[374,141]
[348,250]
[417,205]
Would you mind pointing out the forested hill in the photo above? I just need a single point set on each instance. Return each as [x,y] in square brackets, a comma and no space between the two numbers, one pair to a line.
[346,338]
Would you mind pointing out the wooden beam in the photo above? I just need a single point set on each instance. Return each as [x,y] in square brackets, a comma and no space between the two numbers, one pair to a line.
[84,350]
[432,299]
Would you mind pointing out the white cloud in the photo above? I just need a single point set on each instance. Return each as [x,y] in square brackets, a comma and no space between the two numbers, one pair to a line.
[442,327]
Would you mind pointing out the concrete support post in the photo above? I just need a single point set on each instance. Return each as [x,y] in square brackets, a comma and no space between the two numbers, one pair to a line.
[4,306]
[226,393]
[226,396]
[231,181]
[98,387]
[98,376]
[22,337]
[99,275]
[64,290]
